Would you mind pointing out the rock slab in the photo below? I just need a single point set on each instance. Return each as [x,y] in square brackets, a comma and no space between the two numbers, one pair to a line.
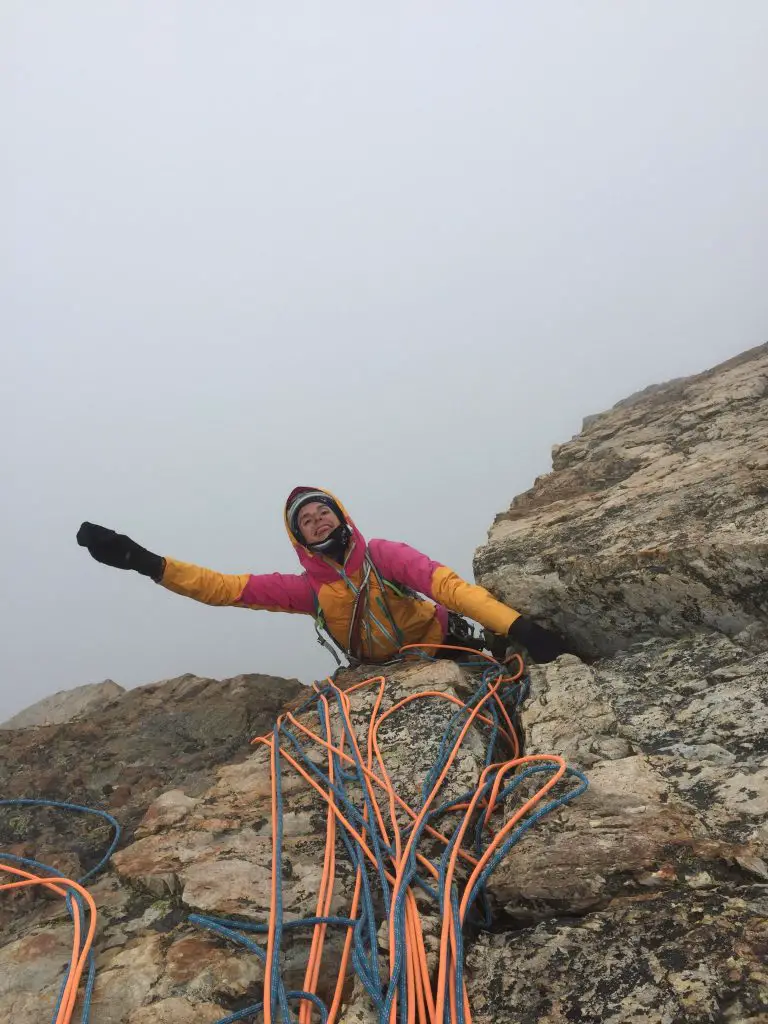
[653,521]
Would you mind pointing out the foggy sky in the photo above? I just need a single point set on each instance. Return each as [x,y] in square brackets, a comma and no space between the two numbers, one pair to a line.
[398,250]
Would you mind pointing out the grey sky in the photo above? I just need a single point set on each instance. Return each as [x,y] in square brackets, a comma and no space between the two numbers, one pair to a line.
[398,250]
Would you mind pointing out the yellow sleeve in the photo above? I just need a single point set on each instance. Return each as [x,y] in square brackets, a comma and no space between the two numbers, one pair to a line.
[203,584]
[468,599]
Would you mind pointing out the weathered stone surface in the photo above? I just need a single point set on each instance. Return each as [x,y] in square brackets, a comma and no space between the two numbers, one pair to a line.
[176,1010]
[646,546]
[653,521]
[65,705]
[122,757]
[693,957]
[125,755]
[667,805]
[30,973]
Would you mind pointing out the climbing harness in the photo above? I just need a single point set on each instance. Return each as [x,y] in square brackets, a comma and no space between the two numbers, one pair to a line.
[79,902]
[437,855]
[362,615]
[460,631]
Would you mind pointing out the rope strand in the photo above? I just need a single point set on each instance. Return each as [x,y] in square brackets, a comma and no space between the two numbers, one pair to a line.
[387,840]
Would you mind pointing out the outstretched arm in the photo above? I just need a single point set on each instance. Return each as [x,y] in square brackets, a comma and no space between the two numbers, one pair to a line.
[270,592]
[405,564]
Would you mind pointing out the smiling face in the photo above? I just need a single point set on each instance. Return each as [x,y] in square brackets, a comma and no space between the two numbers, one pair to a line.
[316,521]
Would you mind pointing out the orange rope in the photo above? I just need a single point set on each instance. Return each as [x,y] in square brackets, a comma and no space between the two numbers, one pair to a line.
[79,957]
[426,1003]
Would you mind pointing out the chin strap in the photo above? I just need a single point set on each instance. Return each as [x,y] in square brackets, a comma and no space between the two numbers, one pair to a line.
[335,544]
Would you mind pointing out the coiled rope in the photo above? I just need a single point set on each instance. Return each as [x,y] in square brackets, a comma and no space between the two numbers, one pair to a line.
[388,842]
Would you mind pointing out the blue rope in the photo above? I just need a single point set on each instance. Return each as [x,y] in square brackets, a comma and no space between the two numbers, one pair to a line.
[398,979]
[73,897]
[89,983]
[373,826]
[262,929]
[365,959]
[251,1011]
[351,795]
[60,996]
[25,802]
[459,959]
[213,924]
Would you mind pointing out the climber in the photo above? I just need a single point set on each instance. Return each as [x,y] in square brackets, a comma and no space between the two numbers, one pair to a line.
[365,596]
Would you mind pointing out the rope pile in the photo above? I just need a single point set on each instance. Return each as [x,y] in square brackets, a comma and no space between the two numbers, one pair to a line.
[431,860]
[391,847]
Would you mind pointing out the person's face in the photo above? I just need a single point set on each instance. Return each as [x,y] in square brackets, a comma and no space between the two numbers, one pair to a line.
[316,521]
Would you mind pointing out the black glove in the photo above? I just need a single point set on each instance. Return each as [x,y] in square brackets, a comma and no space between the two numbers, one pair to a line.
[542,644]
[119,551]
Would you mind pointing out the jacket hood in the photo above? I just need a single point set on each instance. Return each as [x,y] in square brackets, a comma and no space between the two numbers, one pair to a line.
[315,565]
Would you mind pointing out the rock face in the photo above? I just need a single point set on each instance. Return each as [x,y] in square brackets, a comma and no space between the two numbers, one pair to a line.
[648,900]
[696,956]
[65,705]
[653,521]
[645,899]
[125,755]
